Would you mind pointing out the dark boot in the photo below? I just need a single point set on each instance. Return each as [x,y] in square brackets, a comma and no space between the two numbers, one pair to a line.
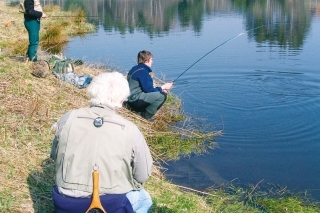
[148,116]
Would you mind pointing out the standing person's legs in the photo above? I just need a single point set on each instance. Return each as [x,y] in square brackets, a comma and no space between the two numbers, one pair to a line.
[140,200]
[33,28]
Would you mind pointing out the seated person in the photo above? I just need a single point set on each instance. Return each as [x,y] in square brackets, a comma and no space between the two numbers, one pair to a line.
[97,138]
[144,97]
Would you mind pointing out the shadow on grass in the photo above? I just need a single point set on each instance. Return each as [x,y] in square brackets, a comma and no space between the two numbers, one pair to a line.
[40,184]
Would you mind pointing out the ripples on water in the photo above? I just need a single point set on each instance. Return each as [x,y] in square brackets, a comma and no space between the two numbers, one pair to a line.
[267,103]
[271,128]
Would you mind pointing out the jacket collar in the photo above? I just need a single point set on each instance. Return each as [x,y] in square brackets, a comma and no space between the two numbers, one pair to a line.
[144,66]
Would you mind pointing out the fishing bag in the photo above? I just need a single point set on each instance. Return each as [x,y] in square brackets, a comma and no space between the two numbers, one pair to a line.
[63,66]
[22,9]
[64,70]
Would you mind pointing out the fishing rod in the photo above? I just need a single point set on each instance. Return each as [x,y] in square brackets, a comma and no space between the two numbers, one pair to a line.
[212,51]
[70,16]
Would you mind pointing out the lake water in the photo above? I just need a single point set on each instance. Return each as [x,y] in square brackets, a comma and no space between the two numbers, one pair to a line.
[261,88]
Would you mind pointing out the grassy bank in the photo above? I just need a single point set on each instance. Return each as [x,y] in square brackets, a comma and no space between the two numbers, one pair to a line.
[30,105]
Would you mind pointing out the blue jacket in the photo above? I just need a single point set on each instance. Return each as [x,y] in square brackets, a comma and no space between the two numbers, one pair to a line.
[141,74]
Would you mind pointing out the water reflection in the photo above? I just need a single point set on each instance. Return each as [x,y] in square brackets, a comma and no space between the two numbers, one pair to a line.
[280,22]
[276,22]
[285,23]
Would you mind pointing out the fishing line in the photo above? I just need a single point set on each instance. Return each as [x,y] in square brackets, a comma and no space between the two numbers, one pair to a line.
[69,16]
[212,51]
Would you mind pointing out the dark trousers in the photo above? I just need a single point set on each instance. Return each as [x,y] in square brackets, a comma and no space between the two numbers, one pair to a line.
[149,103]
[33,28]
[112,203]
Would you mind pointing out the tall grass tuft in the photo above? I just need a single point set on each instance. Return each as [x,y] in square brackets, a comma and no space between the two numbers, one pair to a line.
[18,47]
[80,17]
[53,35]
[80,26]
[53,39]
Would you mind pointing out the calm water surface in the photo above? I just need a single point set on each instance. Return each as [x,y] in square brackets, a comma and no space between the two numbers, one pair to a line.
[262,88]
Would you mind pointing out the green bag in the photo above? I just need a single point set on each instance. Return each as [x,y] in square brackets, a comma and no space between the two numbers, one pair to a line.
[63,66]
[64,70]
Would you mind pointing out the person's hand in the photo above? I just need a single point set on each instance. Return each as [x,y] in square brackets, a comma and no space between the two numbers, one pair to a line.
[44,15]
[166,87]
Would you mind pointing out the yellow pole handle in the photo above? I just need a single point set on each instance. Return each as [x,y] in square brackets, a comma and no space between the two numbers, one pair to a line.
[95,203]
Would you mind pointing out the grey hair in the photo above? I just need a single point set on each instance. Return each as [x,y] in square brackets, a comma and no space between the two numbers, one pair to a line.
[110,89]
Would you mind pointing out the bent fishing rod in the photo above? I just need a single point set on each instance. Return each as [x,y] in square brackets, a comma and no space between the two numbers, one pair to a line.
[70,16]
[212,51]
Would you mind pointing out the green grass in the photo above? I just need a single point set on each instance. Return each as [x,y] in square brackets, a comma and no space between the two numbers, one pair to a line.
[171,145]
[289,204]
[6,200]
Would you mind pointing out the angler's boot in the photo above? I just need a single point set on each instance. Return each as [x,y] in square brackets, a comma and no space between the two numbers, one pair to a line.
[148,116]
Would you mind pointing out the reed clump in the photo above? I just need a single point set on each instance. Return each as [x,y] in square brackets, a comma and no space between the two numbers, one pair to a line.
[53,40]
[80,17]
[18,47]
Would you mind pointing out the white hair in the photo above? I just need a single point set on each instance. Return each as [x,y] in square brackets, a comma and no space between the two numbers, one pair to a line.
[109,89]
